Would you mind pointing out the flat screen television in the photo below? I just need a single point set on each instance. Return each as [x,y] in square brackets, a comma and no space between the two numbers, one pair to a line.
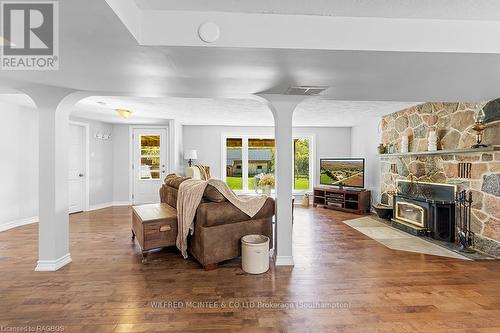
[349,172]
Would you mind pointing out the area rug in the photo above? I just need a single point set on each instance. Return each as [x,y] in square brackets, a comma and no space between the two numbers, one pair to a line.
[398,240]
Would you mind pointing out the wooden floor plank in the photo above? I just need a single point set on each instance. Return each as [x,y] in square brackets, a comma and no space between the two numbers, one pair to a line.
[107,289]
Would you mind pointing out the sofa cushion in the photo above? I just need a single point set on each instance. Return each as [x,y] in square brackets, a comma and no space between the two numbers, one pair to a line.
[210,194]
[217,213]
[213,194]
[175,181]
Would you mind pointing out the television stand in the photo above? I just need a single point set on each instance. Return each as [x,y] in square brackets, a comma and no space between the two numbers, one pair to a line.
[346,200]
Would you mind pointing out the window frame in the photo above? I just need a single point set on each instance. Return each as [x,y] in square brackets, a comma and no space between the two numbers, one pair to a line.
[312,165]
[244,161]
[141,156]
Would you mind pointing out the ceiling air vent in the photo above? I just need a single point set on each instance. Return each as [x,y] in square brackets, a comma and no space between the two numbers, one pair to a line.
[306,90]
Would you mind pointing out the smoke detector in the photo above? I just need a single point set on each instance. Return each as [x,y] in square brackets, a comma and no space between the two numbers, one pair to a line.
[306,90]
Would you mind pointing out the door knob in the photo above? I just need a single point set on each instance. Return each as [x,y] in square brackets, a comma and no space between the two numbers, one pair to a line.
[81,175]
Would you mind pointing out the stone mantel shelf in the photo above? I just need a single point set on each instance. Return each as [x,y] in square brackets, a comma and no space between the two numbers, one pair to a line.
[444,152]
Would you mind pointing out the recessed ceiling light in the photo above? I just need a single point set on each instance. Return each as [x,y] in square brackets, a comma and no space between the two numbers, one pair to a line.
[124,113]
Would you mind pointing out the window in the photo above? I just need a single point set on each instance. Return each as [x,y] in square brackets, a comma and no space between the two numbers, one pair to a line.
[260,153]
[234,158]
[248,156]
[301,164]
[150,157]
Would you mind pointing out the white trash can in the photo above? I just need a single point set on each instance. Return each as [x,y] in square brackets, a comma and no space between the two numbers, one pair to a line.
[255,254]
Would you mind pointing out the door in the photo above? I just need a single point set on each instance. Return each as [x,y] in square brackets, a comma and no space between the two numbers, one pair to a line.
[76,162]
[149,166]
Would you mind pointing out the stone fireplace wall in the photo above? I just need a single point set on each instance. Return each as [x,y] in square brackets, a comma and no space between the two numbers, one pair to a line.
[453,127]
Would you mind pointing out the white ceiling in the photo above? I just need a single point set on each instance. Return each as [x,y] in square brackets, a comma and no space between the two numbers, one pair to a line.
[229,112]
[17,99]
[98,53]
[313,112]
[438,9]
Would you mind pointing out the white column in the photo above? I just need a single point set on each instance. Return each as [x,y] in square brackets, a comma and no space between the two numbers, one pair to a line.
[53,229]
[282,108]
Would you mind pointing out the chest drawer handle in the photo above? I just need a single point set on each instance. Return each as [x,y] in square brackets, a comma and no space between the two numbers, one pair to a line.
[165,228]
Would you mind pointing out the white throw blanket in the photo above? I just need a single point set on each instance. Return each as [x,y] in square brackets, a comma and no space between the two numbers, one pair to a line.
[189,198]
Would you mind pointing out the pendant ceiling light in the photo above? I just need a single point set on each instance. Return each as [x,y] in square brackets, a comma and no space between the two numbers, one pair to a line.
[124,113]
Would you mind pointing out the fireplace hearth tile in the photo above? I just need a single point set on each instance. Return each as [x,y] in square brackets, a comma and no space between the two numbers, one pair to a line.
[383,232]
[397,240]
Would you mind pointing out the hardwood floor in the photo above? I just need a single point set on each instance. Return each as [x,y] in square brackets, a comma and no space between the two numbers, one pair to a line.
[365,286]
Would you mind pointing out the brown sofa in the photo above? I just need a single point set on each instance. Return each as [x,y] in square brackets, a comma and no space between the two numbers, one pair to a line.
[219,225]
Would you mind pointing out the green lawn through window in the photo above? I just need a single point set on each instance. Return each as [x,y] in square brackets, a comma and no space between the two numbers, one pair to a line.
[236,183]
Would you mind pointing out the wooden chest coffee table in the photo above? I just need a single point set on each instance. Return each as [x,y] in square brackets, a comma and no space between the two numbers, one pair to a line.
[154,226]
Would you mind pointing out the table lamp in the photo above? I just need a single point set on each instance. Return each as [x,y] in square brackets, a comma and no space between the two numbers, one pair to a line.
[190,155]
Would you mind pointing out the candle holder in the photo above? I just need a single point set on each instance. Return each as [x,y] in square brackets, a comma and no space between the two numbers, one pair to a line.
[479,127]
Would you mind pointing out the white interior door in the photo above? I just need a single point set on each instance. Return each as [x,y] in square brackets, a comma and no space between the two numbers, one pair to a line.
[76,175]
[150,164]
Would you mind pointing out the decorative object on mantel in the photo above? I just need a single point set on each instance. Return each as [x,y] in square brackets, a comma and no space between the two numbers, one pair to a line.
[102,136]
[381,149]
[432,141]
[404,143]
[432,136]
[479,126]
[465,235]
[190,155]
[391,148]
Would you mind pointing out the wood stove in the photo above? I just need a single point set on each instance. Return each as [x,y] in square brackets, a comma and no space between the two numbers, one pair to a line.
[425,209]
[411,213]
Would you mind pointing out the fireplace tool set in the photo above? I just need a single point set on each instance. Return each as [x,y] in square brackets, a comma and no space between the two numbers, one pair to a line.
[463,201]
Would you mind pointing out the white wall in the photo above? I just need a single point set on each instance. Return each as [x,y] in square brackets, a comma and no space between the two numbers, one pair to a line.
[176,163]
[18,165]
[101,163]
[329,142]
[121,147]
[365,138]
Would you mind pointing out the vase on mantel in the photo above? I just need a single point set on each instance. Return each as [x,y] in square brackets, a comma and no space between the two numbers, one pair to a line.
[404,143]
[432,141]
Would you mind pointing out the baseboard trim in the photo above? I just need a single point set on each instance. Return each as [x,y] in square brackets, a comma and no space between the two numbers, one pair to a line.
[284,261]
[121,203]
[53,265]
[18,223]
[100,206]
[108,204]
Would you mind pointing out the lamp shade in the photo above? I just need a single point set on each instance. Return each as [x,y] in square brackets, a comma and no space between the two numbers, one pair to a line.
[190,154]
